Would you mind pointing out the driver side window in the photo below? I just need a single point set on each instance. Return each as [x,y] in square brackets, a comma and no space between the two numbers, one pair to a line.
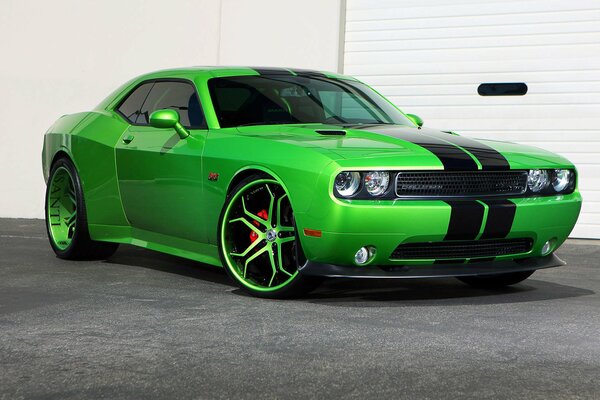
[178,96]
[157,95]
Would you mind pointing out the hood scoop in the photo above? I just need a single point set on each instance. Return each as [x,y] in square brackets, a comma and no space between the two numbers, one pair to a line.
[331,132]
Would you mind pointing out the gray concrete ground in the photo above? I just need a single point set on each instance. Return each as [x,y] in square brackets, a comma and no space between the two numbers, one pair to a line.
[144,325]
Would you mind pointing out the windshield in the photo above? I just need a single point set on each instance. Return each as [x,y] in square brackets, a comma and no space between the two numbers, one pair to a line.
[282,99]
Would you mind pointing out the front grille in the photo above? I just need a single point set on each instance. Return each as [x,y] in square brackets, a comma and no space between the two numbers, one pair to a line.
[462,249]
[461,184]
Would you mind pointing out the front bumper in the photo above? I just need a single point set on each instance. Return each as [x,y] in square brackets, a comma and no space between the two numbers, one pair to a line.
[431,271]
[348,225]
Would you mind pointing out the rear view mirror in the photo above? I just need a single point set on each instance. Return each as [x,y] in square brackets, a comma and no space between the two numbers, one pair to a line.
[168,118]
[415,119]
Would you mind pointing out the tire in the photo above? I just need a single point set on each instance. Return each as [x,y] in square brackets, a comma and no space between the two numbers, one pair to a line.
[66,218]
[496,281]
[258,240]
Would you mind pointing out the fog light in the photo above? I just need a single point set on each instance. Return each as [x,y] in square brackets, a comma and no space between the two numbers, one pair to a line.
[364,255]
[547,247]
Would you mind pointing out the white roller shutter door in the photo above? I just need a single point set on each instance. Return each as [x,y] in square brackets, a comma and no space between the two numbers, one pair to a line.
[429,57]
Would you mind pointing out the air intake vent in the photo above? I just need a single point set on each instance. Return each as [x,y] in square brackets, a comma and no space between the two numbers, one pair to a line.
[331,132]
[462,249]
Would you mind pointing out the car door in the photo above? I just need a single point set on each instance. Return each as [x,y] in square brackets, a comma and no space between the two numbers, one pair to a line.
[160,174]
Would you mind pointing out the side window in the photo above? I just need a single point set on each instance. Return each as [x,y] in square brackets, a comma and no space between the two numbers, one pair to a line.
[130,108]
[179,96]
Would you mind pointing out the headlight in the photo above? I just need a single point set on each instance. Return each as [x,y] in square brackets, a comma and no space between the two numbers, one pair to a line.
[376,182]
[347,183]
[538,180]
[561,179]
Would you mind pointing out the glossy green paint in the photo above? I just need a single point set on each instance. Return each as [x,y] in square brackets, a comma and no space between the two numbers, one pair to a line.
[147,186]
[168,119]
[415,119]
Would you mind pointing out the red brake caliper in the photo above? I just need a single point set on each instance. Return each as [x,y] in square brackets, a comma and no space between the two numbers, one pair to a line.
[263,214]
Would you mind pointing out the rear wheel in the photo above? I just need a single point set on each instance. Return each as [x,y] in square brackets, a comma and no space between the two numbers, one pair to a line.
[496,281]
[66,220]
[259,242]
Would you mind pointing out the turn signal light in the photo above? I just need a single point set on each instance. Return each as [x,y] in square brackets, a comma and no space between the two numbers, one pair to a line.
[312,232]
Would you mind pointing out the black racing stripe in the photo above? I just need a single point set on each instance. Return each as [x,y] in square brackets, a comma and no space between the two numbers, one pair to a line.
[501,214]
[489,158]
[453,158]
[272,71]
[456,158]
[466,218]
[308,72]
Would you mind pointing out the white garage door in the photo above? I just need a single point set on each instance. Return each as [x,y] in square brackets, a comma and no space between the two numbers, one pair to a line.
[429,56]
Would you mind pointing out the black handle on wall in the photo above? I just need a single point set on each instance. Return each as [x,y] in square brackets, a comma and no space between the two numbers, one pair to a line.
[502,89]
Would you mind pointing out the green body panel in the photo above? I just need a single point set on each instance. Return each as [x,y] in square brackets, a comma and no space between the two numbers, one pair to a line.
[154,190]
[351,224]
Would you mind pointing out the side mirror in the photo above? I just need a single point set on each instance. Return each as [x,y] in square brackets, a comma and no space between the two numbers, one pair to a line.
[415,119]
[168,119]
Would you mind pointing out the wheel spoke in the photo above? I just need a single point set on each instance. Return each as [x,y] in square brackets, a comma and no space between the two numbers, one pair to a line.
[287,239]
[273,267]
[252,257]
[70,220]
[71,196]
[245,252]
[286,229]
[254,216]
[249,225]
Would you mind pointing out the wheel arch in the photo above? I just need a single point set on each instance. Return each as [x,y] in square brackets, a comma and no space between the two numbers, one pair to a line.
[257,169]
[250,170]
[61,152]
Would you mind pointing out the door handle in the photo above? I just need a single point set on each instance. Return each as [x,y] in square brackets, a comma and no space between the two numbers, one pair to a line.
[127,139]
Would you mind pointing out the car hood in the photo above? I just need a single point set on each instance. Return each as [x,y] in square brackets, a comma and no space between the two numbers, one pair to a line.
[405,146]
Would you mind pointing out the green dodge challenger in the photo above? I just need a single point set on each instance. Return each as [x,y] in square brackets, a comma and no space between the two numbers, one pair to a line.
[285,177]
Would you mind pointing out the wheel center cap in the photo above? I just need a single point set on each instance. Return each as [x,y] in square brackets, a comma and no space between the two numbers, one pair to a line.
[271,235]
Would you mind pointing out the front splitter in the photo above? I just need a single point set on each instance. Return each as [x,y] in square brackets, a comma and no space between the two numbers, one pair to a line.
[311,268]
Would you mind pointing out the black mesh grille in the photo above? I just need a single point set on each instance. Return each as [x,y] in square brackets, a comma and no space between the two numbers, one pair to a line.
[461,249]
[460,184]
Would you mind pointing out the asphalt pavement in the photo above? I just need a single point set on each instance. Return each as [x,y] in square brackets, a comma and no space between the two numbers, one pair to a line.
[143,325]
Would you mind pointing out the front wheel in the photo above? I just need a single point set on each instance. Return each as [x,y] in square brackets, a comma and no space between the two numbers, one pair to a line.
[496,280]
[259,243]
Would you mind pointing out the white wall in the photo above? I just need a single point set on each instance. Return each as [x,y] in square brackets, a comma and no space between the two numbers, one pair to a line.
[64,56]
[284,33]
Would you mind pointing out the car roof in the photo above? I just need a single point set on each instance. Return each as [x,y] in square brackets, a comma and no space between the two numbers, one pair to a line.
[223,71]
[191,73]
